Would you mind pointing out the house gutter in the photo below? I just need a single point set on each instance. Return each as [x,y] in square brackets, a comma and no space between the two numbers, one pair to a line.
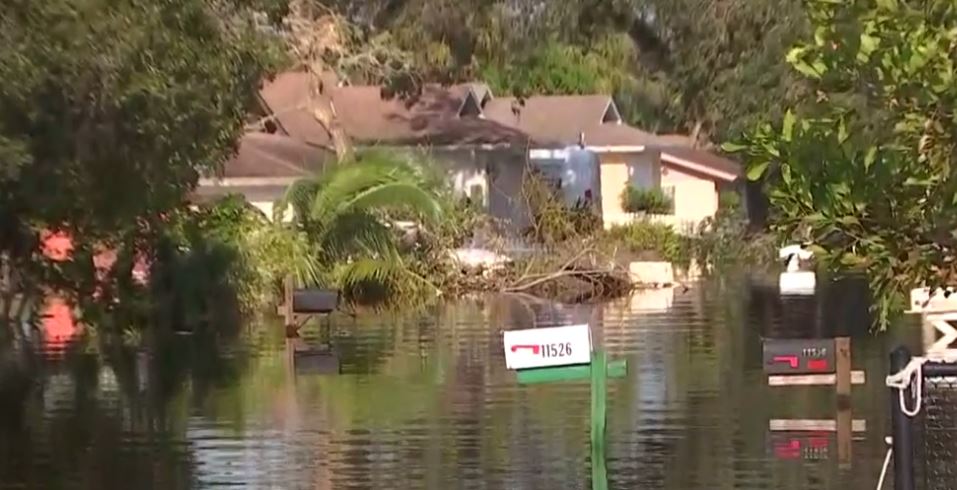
[617,149]
[247,181]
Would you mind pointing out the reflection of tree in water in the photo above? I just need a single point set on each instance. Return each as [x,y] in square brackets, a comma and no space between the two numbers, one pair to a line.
[840,307]
[77,429]
[422,399]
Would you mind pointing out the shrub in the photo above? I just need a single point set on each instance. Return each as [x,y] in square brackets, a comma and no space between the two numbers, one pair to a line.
[654,201]
[655,241]
[553,221]
[724,241]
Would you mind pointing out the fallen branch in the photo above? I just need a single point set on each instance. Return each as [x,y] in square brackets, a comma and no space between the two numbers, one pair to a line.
[584,274]
[564,267]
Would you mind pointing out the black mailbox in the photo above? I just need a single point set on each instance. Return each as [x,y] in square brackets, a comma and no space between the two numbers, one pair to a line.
[794,356]
[314,300]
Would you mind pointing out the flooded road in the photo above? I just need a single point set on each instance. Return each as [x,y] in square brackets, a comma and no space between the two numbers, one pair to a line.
[425,401]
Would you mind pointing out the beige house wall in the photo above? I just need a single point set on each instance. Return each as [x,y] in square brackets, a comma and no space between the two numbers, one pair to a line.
[619,170]
[696,195]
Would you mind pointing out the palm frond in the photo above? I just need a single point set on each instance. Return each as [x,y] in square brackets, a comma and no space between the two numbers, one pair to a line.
[300,195]
[356,234]
[397,196]
[384,271]
[344,182]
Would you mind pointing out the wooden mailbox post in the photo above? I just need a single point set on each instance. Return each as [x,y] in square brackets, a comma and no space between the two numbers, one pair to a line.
[815,362]
[545,355]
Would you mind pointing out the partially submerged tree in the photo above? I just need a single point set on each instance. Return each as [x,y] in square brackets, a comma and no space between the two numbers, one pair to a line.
[349,213]
[867,171]
[109,110]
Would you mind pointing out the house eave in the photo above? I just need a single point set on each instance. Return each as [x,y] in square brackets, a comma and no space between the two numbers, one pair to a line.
[697,167]
[247,181]
[617,149]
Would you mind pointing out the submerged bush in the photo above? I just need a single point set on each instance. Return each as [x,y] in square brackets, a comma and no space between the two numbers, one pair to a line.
[716,244]
[653,201]
[554,221]
[725,241]
[226,253]
[654,241]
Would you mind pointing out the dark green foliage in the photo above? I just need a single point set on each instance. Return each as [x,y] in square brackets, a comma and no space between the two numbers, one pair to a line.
[224,257]
[109,110]
[349,217]
[719,244]
[724,243]
[865,171]
[655,241]
[639,200]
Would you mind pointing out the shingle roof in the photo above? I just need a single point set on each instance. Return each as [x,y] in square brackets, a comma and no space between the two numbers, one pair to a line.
[273,155]
[432,118]
[369,118]
[287,97]
[557,119]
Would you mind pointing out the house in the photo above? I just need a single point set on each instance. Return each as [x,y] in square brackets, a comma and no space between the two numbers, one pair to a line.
[627,156]
[485,143]
[484,160]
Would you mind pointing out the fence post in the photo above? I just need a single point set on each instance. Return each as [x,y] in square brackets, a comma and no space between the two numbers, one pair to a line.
[902,426]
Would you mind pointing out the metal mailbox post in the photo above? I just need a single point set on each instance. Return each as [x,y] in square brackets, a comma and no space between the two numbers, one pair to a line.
[546,355]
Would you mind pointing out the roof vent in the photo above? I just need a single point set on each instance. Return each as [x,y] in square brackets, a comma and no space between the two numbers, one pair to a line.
[471,107]
[611,114]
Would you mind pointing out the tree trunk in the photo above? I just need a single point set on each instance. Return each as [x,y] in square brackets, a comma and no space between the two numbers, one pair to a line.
[7,294]
[316,30]
[696,133]
[324,110]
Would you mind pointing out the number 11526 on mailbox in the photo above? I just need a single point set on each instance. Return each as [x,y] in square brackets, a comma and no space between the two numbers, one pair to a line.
[547,347]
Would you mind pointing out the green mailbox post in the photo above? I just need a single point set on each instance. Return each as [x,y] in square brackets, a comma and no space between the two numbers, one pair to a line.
[549,355]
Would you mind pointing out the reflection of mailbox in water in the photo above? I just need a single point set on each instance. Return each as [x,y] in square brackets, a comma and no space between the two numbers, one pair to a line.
[793,356]
[806,446]
[316,362]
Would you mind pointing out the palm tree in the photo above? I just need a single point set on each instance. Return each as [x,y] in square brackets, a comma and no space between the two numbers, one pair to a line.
[348,213]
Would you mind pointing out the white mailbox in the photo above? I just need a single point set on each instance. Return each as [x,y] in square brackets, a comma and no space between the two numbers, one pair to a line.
[547,347]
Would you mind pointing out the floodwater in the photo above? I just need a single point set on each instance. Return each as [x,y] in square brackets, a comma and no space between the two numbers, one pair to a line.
[425,401]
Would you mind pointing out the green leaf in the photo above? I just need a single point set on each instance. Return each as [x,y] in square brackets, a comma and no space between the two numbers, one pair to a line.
[851,260]
[756,171]
[817,250]
[814,218]
[819,35]
[916,182]
[786,174]
[849,220]
[842,133]
[794,57]
[787,127]
[870,157]
[805,69]
[889,5]
[868,45]
[731,147]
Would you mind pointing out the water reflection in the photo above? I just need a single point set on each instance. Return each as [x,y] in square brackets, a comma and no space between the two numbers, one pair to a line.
[426,402]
